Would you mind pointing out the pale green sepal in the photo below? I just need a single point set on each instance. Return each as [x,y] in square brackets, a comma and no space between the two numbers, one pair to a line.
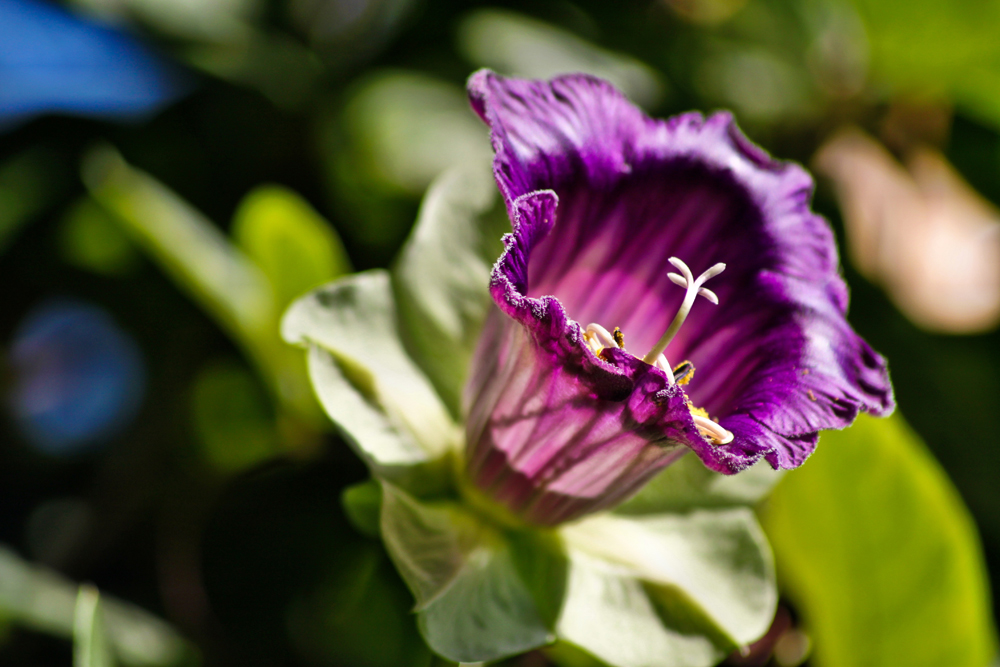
[706,574]
[540,558]
[90,644]
[363,377]
[880,555]
[363,422]
[487,613]
[472,604]
[609,614]
[428,543]
[687,484]
[442,276]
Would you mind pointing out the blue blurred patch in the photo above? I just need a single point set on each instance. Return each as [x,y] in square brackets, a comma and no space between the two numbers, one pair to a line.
[54,61]
[78,378]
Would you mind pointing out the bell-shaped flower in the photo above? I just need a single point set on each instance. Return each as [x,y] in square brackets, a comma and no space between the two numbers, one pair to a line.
[524,425]
[606,204]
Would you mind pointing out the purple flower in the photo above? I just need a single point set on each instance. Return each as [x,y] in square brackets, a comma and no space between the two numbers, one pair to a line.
[609,207]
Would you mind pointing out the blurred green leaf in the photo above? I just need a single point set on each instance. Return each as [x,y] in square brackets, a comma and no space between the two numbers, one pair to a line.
[91,239]
[688,484]
[188,246]
[41,599]
[935,49]
[295,248]
[669,590]
[276,65]
[204,263]
[406,128]
[362,504]
[364,379]
[90,645]
[29,182]
[358,615]
[879,554]
[441,278]
[516,45]
[207,20]
[232,417]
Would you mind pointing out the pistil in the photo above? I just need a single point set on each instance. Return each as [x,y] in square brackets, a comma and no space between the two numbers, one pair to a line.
[694,288]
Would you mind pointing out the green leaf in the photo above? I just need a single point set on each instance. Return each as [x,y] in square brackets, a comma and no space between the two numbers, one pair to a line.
[90,645]
[441,279]
[516,45]
[41,599]
[879,554]
[295,248]
[540,559]
[364,379]
[472,604]
[678,590]
[687,484]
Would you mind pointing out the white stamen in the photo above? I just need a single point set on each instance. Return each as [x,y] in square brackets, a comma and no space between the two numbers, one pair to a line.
[711,430]
[694,288]
[598,337]
[664,365]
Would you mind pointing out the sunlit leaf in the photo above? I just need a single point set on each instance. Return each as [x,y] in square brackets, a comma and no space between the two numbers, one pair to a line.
[203,262]
[187,245]
[295,248]
[937,49]
[878,552]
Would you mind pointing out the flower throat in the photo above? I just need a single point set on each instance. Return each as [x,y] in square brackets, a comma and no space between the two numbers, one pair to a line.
[598,338]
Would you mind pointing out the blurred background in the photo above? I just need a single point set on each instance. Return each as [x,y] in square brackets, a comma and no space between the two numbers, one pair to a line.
[174,172]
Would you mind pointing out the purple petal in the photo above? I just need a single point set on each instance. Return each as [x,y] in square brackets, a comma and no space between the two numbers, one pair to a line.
[600,197]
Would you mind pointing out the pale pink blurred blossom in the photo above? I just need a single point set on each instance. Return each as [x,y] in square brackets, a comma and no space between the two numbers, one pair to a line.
[921,231]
